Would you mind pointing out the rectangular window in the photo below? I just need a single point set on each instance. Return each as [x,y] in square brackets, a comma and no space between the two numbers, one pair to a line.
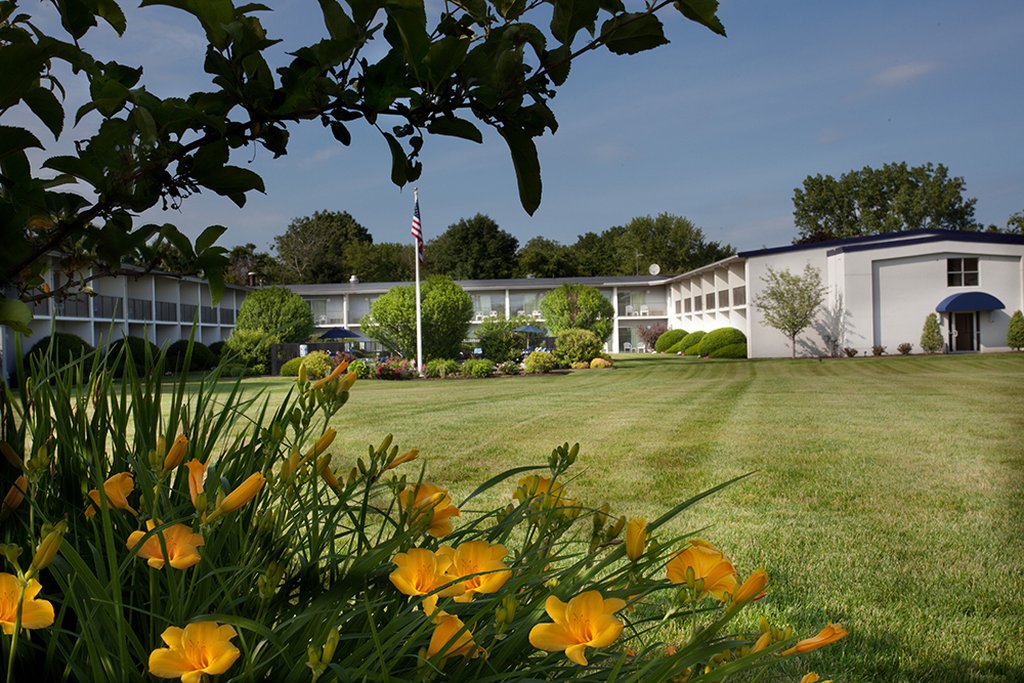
[679,306]
[697,304]
[723,298]
[739,296]
[962,272]
[688,302]
[709,300]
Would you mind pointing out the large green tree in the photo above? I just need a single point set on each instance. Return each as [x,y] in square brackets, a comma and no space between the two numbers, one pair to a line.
[244,259]
[381,261]
[382,62]
[597,253]
[473,249]
[278,312]
[446,309]
[675,243]
[894,198]
[542,257]
[578,306]
[312,249]
[789,302]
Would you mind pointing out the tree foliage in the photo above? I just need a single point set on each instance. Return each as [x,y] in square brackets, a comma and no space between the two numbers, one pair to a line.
[244,259]
[1015,333]
[473,249]
[276,311]
[931,335]
[790,302]
[312,249]
[578,306]
[499,340]
[675,243]
[543,257]
[375,61]
[381,261]
[894,198]
[446,310]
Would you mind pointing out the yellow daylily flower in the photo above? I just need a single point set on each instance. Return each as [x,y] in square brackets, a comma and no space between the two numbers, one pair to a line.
[182,546]
[202,648]
[421,571]
[196,478]
[447,639]
[35,613]
[708,563]
[176,453]
[428,502]
[475,557]
[812,677]
[636,538]
[587,620]
[826,636]
[117,487]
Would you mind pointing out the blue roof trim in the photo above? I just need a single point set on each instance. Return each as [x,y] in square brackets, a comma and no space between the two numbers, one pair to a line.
[891,239]
[969,301]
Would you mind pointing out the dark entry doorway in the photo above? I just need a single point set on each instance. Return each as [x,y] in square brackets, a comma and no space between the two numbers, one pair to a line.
[963,331]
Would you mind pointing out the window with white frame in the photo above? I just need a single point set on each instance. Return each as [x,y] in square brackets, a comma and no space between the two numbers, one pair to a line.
[962,272]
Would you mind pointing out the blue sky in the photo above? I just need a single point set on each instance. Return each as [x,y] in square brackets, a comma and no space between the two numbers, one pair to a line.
[720,130]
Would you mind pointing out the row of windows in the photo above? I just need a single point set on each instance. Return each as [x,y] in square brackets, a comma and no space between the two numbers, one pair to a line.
[111,308]
[712,300]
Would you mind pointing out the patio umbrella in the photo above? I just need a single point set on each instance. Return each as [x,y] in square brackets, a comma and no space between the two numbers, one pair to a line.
[529,330]
[339,333]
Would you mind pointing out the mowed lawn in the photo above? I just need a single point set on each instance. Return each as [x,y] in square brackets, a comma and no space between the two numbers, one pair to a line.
[888,492]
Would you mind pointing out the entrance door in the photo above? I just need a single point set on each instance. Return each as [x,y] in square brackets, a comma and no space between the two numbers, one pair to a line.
[964,331]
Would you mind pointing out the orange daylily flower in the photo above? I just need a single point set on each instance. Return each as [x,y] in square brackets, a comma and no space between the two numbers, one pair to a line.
[445,640]
[182,546]
[335,374]
[752,588]
[35,613]
[428,502]
[587,620]
[196,478]
[812,677]
[542,492]
[117,487]
[708,564]
[474,558]
[199,649]
[421,571]
[826,636]
[636,537]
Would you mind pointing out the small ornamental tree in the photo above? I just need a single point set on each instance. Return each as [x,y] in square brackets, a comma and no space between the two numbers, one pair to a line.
[789,302]
[446,308]
[277,312]
[652,333]
[578,306]
[498,339]
[931,335]
[1015,335]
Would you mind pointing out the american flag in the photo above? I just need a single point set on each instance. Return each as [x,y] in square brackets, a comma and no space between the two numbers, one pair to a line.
[417,231]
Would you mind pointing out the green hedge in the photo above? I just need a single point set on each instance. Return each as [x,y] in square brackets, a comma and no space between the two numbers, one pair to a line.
[730,351]
[668,340]
[716,339]
[143,354]
[318,364]
[202,357]
[65,349]
[576,345]
[688,342]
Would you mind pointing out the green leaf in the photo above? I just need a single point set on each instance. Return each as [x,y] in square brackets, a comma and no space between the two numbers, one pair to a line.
[510,9]
[233,182]
[15,315]
[338,23]
[22,64]
[14,139]
[76,17]
[498,478]
[76,167]
[443,58]
[208,237]
[341,133]
[409,22]
[47,107]
[570,16]
[398,160]
[703,12]
[111,13]
[524,159]
[558,62]
[455,127]
[630,33]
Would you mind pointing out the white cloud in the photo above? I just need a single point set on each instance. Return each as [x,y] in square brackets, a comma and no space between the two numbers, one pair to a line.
[901,74]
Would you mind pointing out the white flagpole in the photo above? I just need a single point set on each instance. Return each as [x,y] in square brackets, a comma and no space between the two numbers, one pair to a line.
[419,317]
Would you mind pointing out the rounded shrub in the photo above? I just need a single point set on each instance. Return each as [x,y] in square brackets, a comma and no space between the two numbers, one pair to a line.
[202,357]
[318,364]
[509,367]
[441,367]
[142,351]
[688,342]
[478,367]
[580,365]
[217,349]
[364,369]
[668,340]
[539,362]
[64,348]
[716,339]
[600,363]
[730,351]
[576,345]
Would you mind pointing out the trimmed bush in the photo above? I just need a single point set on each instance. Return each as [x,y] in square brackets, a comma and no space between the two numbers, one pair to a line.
[142,351]
[202,357]
[441,367]
[716,339]
[217,349]
[931,335]
[600,363]
[510,367]
[66,348]
[318,364]
[730,351]
[576,345]
[668,340]
[580,365]
[251,348]
[1015,333]
[477,367]
[364,369]
[905,348]
[539,362]
[687,343]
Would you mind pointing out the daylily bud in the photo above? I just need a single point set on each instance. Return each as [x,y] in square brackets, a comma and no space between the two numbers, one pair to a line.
[10,455]
[177,452]
[48,548]
[330,645]
[303,374]
[616,528]
[353,475]
[385,444]
[161,445]
[402,459]
[324,468]
[245,492]
[335,373]
[325,440]
[361,465]
[636,538]
[196,483]
[751,588]
[347,381]
[14,496]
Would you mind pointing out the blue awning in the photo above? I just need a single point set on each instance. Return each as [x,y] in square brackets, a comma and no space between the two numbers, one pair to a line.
[969,301]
